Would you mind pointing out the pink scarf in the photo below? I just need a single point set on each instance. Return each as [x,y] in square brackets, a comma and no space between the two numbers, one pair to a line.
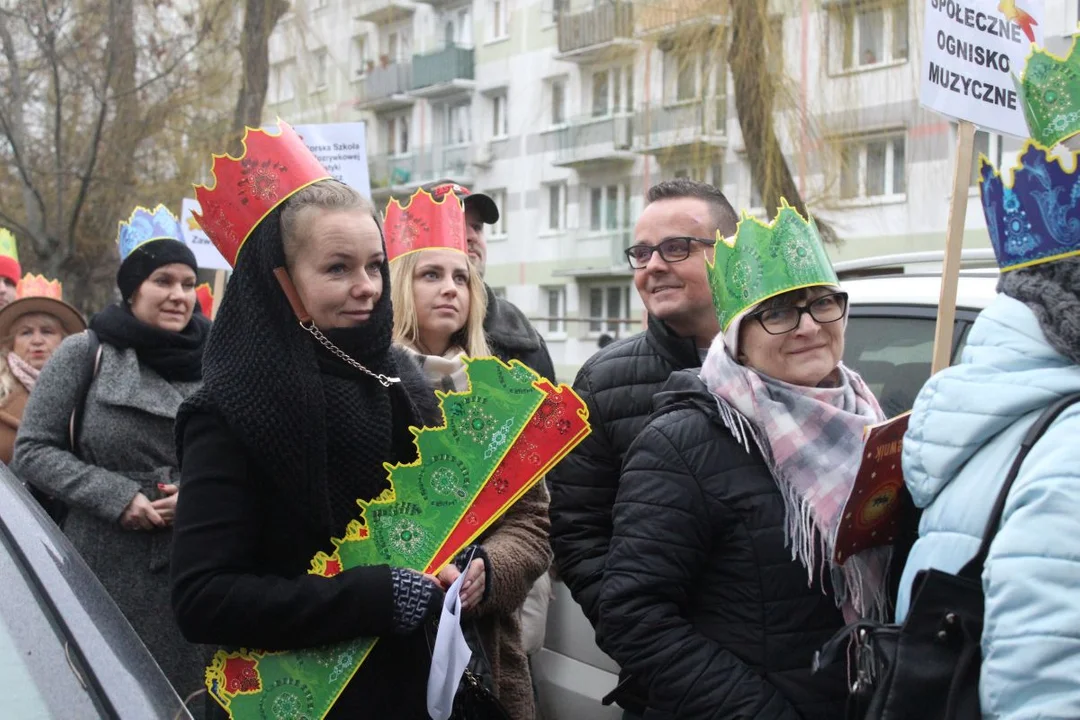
[23,371]
[812,440]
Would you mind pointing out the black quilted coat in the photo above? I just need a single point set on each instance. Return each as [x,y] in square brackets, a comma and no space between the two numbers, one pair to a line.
[701,600]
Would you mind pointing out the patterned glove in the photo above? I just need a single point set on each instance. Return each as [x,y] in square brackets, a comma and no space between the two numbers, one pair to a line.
[415,598]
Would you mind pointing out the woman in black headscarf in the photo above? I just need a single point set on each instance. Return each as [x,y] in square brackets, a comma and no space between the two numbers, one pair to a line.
[292,426]
[120,479]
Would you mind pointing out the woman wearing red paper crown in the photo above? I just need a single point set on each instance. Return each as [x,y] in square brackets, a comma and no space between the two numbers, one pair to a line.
[721,583]
[97,433]
[304,401]
[31,328]
[439,305]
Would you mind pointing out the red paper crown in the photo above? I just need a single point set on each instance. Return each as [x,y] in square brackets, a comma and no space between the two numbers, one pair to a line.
[246,189]
[424,223]
[38,286]
[206,299]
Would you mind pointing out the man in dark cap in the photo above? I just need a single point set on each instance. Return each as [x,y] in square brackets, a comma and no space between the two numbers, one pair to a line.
[509,332]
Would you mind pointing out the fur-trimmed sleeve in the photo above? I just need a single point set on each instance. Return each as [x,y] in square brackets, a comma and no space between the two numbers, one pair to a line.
[519,552]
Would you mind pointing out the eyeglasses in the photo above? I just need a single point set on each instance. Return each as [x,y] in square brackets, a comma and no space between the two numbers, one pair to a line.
[672,250]
[824,310]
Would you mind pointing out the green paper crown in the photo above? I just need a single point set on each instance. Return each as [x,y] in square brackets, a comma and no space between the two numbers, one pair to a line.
[8,248]
[1049,91]
[763,260]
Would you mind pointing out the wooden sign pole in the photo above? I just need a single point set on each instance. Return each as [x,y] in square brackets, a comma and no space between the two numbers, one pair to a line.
[954,242]
[219,291]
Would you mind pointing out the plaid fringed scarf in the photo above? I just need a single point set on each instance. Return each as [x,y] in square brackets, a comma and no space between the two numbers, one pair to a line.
[812,440]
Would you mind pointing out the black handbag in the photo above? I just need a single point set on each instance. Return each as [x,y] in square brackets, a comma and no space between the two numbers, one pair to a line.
[476,698]
[928,668]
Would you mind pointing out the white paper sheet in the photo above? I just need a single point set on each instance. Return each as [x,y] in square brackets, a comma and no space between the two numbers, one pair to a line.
[450,656]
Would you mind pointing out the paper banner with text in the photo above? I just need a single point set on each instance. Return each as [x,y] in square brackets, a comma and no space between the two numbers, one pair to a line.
[342,150]
[972,49]
[206,254]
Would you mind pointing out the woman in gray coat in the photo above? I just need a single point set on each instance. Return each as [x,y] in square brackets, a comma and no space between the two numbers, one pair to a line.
[121,482]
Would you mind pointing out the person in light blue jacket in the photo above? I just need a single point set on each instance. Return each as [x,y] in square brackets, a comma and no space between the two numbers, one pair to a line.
[1023,353]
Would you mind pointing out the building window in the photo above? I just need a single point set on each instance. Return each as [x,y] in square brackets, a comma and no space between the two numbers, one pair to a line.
[398,47]
[609,207]
[498,230]
[500,124]
[988,144]
[500,19]
[280,87]
[397,134]
[458,124]
[607,306]
[872,33]
[556,309]
[358,56]
[556,206]
[557,87]
[612,91]
[872,167]
[600,90]
[680,76]
[320,63]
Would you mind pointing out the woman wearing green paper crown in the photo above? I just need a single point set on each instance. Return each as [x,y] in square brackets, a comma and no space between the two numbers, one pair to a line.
[719,584]
[439,304]
[293,426]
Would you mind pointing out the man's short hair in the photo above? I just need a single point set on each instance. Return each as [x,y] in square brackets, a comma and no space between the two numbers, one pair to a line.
[723,214]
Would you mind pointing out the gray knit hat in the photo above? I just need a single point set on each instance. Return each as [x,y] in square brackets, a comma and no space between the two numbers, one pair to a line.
[1052,291]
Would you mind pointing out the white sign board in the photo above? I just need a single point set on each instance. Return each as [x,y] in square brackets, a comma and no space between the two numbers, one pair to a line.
[971,51]
[342,150]
[205,253]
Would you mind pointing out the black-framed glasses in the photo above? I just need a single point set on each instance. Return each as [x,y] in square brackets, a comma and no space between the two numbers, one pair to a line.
[824,310]
[671,250]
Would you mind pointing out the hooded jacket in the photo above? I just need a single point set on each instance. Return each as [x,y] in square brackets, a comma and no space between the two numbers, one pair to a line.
[965,431]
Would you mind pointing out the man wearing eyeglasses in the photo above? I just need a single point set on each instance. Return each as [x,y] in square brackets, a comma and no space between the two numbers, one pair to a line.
[672,239]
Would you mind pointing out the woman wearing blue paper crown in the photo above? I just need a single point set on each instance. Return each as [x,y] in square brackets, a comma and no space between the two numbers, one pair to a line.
[293,426]
[439,303]
[118,475]
[720,585]
[1022,355]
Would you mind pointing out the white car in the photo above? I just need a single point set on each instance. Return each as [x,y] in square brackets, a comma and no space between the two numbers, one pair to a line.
[889,341]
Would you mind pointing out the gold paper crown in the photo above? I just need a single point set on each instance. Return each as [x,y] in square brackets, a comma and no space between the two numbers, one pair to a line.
[38,286]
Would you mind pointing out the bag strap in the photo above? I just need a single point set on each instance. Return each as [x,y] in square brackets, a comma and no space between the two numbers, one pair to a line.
[89,372]
[973,569]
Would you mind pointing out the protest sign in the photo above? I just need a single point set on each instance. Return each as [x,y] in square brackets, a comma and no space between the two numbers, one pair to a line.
[206,254]
[342,150]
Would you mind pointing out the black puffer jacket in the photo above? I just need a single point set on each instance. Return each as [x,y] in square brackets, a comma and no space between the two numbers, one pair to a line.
[512,336]
[701,600]
[617,384]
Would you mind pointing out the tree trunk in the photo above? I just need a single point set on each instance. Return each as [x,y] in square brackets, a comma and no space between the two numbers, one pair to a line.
[260,17]
[755,93]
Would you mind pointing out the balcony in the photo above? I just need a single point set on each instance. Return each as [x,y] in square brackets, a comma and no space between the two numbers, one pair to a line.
[443,73]
[666,17]
[385,88]
[601,33]
[693,128]
[402,174]
[382,12]
[584,252]
[595,142]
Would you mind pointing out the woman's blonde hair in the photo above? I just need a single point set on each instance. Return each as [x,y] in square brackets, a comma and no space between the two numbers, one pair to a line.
[8,383]
[470,337]
[323,195]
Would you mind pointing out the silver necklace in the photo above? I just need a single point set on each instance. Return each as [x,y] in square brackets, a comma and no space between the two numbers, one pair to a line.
[384,380]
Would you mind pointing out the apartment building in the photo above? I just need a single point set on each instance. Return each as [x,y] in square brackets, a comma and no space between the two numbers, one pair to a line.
[565,111]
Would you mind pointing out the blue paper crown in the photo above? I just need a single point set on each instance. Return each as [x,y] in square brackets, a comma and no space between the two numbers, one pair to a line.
[1036,218]
[146,225]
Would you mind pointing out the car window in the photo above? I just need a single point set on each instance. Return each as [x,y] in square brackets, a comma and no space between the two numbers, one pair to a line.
[893,355]
[37,679]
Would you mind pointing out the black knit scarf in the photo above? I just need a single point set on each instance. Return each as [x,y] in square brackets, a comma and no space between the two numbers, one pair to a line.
[319,429]
[175,356]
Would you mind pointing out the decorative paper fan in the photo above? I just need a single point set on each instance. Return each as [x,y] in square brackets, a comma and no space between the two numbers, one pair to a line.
[500,438]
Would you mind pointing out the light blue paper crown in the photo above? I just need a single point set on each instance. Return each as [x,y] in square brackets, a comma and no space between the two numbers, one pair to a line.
[1034,219]
[146,225]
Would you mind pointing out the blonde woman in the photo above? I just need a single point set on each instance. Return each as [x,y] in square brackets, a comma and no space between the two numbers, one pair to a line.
[439,304]
[31,328]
